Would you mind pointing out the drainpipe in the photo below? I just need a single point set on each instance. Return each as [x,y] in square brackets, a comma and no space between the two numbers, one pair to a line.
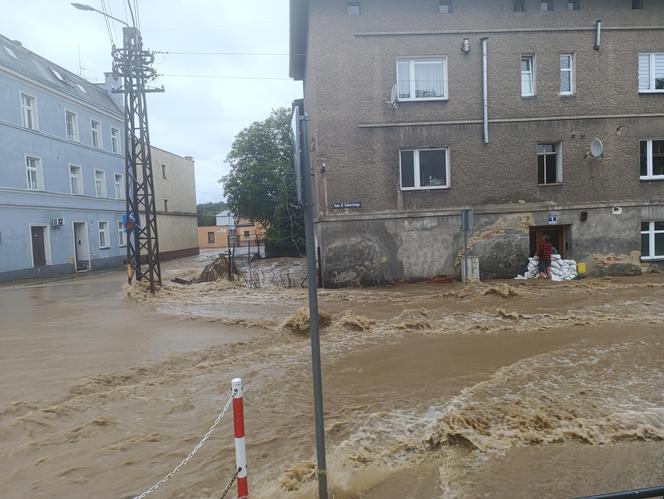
[598,34]
[485,86]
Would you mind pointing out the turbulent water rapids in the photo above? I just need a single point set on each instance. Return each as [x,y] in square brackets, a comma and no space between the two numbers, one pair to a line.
[519,389]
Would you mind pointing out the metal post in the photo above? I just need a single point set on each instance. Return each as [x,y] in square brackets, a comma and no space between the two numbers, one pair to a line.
[465,255]
[240,449]
[321,471]
[249,251]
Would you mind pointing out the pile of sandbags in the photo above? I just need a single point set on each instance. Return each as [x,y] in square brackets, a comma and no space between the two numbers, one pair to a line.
[561,270]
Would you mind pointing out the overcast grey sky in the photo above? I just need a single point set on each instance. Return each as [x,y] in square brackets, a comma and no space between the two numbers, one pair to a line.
[195,116]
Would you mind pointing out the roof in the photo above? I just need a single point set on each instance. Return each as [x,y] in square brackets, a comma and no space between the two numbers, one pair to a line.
[299,29]
[225,213]
[19,59]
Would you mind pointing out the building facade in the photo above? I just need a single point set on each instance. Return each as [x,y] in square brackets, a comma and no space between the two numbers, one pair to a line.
[175,199]
[529,112]
[230,229]
[61,169]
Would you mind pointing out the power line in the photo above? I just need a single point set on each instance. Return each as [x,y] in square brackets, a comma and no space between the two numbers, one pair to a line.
[225,77]
[227,53]
[217,26]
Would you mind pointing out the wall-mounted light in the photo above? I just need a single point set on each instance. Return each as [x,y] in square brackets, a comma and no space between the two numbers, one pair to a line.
[598,34]
[465,46]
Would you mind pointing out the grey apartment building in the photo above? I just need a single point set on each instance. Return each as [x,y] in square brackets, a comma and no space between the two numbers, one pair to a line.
[544,117]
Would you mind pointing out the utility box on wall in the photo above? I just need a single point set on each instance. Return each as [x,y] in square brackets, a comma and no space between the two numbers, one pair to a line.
[472,273]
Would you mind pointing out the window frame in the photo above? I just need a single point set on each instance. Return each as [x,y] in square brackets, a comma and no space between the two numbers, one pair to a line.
[77,133]
[651,240]
[652,76]
[641,4]
[96,131]
[34,115]
[79,182]
[163,171]
[353,8]
[572,74]
[115,140]
[559,163]
[208,237]
[122,234]
[519,5]
[411,77]
[106,231]
[119,191]
[104,193]
[444,4]
[549,5]
[39,173]
[416,169]
[533,74]
[575,4]
[649,160]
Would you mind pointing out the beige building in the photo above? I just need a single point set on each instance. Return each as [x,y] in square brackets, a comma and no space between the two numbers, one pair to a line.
[175,198]
[212,237]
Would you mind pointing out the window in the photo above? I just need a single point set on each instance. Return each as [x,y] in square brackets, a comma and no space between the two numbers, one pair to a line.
[527,75]
[104,240]
[122,234]
[445,6]
[119,186]
[246,234]
[163,170]
[652,159]
[210,237]
[75,180]
[549,164]
[11,53]
[546,5]
[519,5]
[651,72]
[29,111]
[574,5]
[100,184]
[638,4]
[422,79]
[425,169]
[115,140]
[652,240]
[34,173]
[165,204]
[71,124]
[353,8]
[567,76]
[96,134]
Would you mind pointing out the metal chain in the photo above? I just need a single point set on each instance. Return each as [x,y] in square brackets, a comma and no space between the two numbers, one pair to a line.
[191,454]
[230,484]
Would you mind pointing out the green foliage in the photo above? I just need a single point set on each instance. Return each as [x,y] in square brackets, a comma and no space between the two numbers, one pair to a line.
[207,211]
[261,183]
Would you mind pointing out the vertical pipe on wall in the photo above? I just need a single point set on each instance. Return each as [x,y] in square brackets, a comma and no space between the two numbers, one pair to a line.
[598,34]
[485,86]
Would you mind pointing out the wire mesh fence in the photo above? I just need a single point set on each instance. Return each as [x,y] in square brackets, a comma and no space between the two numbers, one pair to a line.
[273,273]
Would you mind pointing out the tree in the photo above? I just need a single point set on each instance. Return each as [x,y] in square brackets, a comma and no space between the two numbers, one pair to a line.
[207,213]
[261,183]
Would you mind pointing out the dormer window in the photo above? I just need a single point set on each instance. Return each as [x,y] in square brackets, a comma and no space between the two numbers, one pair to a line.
[57,74]
[10,52]
[81,88]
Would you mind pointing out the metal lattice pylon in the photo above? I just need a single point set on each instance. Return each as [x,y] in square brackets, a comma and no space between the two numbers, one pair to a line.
[133,65]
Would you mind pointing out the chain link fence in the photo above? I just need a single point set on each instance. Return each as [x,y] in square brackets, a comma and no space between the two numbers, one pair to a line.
[273,273]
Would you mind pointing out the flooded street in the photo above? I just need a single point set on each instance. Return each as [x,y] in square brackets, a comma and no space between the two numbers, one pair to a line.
[502,389]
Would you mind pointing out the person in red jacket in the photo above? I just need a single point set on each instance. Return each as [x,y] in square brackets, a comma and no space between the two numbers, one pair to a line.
[545,258]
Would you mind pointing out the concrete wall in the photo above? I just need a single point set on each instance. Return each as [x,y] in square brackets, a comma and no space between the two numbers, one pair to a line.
[351,68]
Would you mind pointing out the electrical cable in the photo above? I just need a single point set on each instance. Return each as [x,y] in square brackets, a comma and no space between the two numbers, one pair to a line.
[224,77]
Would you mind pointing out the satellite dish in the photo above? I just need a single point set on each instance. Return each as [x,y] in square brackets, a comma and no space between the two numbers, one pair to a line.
[596,148]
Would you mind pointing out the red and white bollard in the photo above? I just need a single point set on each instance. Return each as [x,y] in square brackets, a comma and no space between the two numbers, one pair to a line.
[240,452]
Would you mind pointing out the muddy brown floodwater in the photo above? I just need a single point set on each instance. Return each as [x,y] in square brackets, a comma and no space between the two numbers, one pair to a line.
[502,389]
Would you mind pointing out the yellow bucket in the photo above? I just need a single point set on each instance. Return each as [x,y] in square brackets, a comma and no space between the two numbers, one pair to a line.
[581,268]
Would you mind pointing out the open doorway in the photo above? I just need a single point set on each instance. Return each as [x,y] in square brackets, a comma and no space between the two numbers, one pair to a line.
[81,246]
[555,232]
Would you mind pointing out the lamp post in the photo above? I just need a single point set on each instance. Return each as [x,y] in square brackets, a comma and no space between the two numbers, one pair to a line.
[134,66]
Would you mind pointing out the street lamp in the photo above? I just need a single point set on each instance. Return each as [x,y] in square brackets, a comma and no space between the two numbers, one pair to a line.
[82,6]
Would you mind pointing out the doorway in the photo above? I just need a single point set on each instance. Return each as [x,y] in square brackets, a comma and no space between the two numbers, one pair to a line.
[556,234]
[81,246]
[38,239]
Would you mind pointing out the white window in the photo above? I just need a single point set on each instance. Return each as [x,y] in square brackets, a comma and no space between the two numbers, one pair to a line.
[100,183]
[567,74]
[119,186]
[33,171]
[422,79]
[651,72]
[71,124]
[104,240]
[29,111]
[122,234]
[75,180]
[652,159]
[353,8]
[574,5]
[652,240]
[549,163]
[96,134]
[115,140]
[445,6]
[546,5]
[527,75]
[424,169]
